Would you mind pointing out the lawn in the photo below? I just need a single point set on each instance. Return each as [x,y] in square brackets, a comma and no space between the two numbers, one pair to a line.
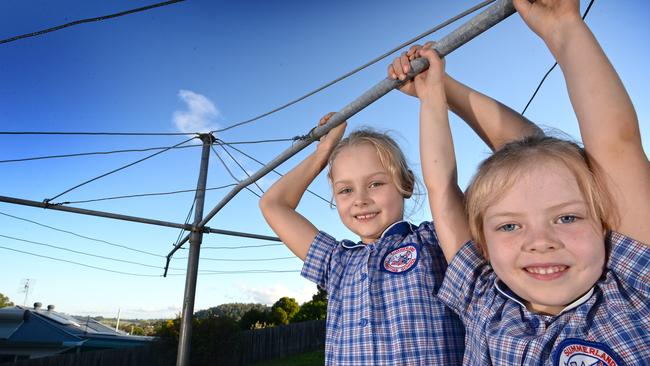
[304,359]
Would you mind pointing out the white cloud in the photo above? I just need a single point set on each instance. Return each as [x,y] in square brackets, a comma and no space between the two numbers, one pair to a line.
[151,312]
[270,294]
[200,113]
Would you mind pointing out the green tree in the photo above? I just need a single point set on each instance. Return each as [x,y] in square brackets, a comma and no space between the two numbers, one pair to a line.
[214,340]
[255,319]
[132,329]
[311,310]
[169,329]
[320,295]
[279,316]
[231,310]
[316,309]
[4,301]
[284,310]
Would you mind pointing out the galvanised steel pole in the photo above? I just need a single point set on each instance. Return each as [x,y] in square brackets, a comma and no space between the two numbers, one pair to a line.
[483,21]
[196,237]
[83,211]
[142,220]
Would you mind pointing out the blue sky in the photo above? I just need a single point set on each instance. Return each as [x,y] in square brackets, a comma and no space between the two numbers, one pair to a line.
[213,63]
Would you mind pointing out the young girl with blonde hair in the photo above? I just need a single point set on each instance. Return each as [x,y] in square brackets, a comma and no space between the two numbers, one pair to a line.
[553,275]
[380,309]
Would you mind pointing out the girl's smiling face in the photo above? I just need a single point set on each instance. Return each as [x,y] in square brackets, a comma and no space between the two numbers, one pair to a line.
[541,239]
[366,197]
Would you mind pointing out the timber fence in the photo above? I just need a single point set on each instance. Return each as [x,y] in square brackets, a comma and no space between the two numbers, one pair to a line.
[135,356]
[270,343]
[251,346]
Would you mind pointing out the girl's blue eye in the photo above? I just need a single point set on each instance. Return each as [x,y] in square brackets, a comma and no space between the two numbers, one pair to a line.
[508,227]
[345,190]
[376,184]
[567,219]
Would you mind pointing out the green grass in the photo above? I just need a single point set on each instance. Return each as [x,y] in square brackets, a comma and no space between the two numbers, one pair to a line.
[304,359]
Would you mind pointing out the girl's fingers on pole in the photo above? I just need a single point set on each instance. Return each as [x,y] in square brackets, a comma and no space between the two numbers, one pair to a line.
[391,72]
[325,118]
[406,66]
[413,51]
[397,68]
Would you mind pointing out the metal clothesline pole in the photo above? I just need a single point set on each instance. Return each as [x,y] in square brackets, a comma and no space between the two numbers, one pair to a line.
[497,12]
[196,237]
[142,220]
[83,211]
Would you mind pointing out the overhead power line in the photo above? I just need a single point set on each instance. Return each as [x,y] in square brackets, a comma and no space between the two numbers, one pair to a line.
[273,170]
[93,153]
[231,173]
[97,133]
[240,260]
[19,160]
[83,253]
[89,20]
[253,271]
[242,246]
[82,236]
[143,195]
[551,69]
[47,200]
[264,141]
[80,264]
[388,53]
[240,166]
[139,263]
[201,272]
[187,221]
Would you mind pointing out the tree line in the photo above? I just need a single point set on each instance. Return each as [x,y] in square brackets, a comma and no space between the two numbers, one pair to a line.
[256,316]
[244,316]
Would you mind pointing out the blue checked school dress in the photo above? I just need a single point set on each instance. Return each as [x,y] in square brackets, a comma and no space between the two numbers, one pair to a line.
[609,325]
[382,304]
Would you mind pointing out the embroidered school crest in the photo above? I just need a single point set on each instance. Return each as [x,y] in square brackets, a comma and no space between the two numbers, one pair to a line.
[401,259]
[577,352]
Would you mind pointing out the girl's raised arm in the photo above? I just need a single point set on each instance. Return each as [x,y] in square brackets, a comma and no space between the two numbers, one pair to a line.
[608,122]
[279,203]
[438,158]
[495,123]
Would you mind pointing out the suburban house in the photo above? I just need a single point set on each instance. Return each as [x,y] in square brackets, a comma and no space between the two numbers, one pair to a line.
[36,332]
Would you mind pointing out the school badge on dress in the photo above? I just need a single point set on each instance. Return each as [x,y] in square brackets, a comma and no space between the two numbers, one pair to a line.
[578,352]
[400,260]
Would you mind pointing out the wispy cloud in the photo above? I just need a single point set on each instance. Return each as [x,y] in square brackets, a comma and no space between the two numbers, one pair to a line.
[149,312]
[270,294]
[200,115]
[152,312]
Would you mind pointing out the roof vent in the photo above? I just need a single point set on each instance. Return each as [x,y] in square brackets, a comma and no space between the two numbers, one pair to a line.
[37,305]
[50,307]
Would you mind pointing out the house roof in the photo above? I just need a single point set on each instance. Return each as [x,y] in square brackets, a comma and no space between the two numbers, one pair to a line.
[21,325]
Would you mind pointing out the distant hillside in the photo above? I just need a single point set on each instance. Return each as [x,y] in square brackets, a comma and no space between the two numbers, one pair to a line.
[233,310]
[130,326]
